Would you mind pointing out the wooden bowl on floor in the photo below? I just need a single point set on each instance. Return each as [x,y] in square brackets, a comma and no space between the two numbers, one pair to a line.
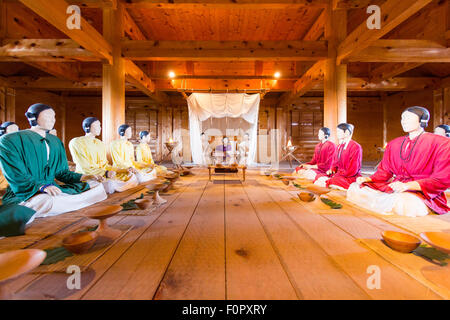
[400,241]
[103,212]
[143,203]
[155,185]
[290,178]
[80,242]
[318,190]
[439,240]
[18,262]
[188,167]
[306,196]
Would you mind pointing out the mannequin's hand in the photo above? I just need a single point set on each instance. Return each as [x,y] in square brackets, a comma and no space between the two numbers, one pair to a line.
[306,166]
[111,174]
[361,180]
[398,186]
[96,177]
[52,191]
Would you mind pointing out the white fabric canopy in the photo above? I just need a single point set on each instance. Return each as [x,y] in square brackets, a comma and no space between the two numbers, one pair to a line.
[203,106]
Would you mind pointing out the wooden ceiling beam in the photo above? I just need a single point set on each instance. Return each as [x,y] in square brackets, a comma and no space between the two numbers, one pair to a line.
[69,71]
[224,50]
[224,84]
[350,4]
[310,78]
[353,84]
[393,13]
[44,50]
[238,4]
[55,13]
[317,29]
[400,50]
[135,76]
[390,70]
[95,3]
[131,28]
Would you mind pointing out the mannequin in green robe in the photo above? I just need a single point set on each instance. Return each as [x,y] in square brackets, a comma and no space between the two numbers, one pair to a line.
[31,160]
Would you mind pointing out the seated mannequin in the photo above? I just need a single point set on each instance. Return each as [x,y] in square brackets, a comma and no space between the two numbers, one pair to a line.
[122,154]
[32,159]
[413,175]
[144,153]
[243,148]
[6,127]
[223,152]
[322,159]
[206,150]
[89,155]
[346,165]
[442,130]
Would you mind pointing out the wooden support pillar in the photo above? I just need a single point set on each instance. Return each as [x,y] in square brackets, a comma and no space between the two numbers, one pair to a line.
[385,113]
[113,91]
[7,104]
[438,107]
[335,76]
[447,106]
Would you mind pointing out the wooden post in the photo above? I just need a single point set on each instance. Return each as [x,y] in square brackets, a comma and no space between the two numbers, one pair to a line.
[384,102]
[113,91]
[438,108]
[447,106]
[10,105]
[335,76]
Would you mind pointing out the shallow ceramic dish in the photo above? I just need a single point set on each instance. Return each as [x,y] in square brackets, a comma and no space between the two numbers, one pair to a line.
[400,241]
[80,242]
[306,196]
[439,240]
[143,203]
[17,262]
[103,212]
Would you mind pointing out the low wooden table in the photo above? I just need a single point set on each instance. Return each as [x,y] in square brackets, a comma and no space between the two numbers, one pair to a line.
[243,168]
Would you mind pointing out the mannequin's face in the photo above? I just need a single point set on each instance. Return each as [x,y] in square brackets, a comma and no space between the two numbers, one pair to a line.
[438,131]
[15,128]
[128,133]
[225,140]
[96,128]
[341,134]
[146,139]
[321,135]
[46,119]
[410,121]
[246,137]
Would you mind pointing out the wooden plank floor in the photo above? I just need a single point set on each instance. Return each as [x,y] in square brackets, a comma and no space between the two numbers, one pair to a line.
[230,240]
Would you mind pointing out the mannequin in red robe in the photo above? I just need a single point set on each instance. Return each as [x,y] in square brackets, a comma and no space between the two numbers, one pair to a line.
[346,166]
[413,175]
[322,159]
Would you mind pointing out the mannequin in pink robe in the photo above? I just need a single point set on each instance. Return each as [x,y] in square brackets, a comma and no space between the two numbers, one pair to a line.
[346,165]
[322,159]
[413,175]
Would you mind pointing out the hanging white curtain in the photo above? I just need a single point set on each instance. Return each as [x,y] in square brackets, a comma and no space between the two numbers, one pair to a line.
[203,106]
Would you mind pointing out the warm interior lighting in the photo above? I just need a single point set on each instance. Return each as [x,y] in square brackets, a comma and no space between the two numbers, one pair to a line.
[171,74]
[277,75]
[289,144]
[170,140]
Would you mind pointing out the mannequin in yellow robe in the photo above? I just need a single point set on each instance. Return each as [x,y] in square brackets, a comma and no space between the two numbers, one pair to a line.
[89,155]
[144,153]
[122,154]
